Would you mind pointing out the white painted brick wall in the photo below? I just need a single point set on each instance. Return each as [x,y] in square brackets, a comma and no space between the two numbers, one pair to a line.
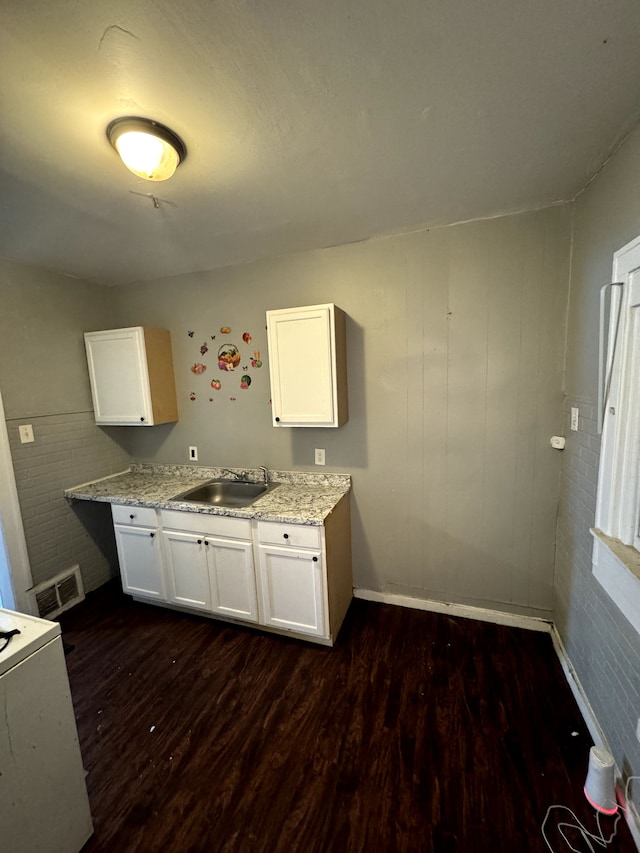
[602,645]
[68,449]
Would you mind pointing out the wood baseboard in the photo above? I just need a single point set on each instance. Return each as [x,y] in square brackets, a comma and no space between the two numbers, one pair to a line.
[483,614]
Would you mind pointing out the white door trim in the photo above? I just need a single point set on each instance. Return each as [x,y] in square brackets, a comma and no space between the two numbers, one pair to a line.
[14,589]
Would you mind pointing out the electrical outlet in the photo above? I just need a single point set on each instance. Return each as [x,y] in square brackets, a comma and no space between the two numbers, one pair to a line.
[319,456]
[575,413]
[26,433]
[193,454]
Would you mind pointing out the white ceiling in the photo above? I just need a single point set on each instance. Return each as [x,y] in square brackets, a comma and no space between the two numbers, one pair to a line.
[307,124]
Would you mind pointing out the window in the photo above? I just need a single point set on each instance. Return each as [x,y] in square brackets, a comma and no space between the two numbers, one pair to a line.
[616,553]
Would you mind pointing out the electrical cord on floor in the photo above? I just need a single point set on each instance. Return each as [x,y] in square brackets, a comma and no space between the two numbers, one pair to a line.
[584,833]
[587,837]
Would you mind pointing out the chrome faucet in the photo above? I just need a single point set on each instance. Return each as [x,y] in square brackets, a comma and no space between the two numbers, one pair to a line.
[237,475]
[265,474]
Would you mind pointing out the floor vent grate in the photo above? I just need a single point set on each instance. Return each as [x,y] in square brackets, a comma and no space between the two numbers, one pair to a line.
[59,593]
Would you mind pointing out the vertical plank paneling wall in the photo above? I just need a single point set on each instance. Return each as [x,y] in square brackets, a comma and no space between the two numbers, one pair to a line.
[473,480]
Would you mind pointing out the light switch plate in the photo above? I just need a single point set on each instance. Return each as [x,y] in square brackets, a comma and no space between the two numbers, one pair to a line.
[26,433]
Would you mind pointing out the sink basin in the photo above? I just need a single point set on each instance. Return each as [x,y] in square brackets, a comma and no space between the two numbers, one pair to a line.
[225,493]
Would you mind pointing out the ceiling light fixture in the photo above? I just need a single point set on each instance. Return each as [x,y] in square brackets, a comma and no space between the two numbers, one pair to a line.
[146,147]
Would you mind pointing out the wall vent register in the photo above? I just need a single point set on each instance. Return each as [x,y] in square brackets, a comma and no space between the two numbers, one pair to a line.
[59,593]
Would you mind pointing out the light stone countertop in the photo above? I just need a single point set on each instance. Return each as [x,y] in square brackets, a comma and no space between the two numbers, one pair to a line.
[301,498]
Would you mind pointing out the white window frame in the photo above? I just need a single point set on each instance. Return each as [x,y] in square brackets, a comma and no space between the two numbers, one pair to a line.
[616,550]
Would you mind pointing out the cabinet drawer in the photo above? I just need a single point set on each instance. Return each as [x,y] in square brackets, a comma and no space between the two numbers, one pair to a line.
[296,535]
[213,525]
[136,516]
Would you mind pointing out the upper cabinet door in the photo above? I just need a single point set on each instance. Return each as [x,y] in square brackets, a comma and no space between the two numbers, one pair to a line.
[307,365]
[131,374]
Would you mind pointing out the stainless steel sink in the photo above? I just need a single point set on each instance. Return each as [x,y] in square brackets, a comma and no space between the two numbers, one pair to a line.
[225,492]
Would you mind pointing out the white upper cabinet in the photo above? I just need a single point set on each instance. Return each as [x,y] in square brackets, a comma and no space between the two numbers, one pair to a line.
[308,366]
[131,374]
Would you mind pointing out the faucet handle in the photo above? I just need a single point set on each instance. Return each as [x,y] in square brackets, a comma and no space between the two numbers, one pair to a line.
[237,475]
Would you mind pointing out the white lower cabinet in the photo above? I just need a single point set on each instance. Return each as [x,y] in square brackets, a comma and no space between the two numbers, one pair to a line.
[187,569]
[139,551]
[292,577]
[209,566]
[293,589]
[299,583]
[233,580]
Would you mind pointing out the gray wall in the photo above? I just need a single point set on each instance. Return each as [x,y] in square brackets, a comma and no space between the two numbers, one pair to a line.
[602,645]
[455,351]
[44,382]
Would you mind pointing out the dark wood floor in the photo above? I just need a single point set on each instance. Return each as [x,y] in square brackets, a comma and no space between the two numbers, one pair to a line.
[417,732]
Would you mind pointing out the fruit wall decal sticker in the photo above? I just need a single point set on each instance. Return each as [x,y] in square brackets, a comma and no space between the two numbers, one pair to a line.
[229,357]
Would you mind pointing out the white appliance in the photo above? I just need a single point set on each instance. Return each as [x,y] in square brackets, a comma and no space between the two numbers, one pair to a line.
[44,806]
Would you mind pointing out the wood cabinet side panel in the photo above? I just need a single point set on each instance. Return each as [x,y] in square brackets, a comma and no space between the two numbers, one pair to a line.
[342,390]
[338,564]
[161,376]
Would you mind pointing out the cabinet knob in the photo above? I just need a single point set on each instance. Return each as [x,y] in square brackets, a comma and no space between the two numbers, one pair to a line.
[152,535]
[132,516]
[315,559]
[205,542]
[199,541]
[142,419]
[278,420]
[285,535]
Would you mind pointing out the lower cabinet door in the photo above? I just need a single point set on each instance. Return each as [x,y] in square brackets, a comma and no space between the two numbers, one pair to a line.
[232,578]
[141,565]
[292,589]
[187,571]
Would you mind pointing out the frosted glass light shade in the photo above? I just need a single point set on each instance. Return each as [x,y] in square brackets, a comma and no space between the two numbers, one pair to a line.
[147,148]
